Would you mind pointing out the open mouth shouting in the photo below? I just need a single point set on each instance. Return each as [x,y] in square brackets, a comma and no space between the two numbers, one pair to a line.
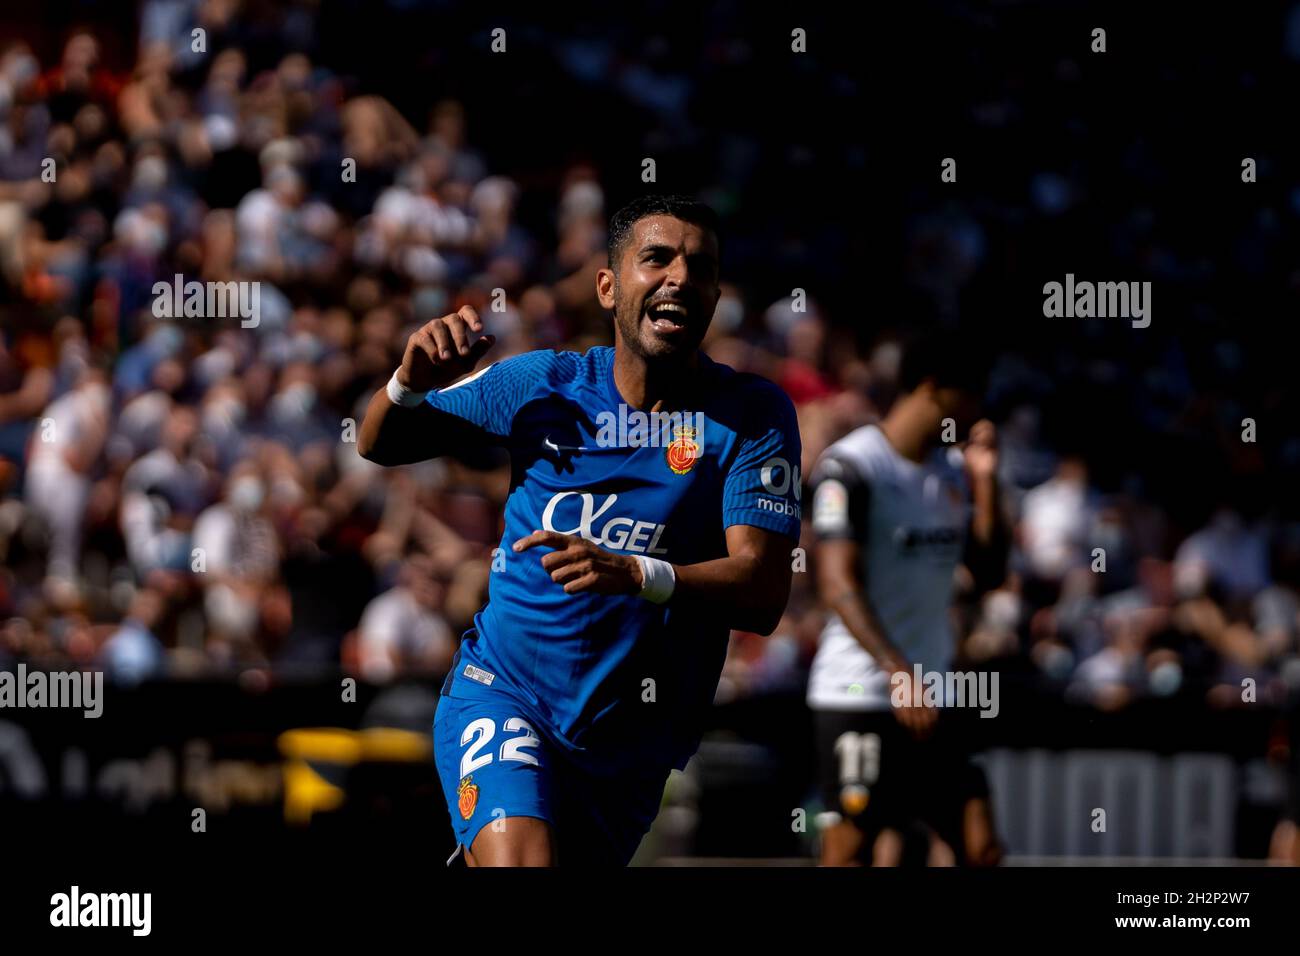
[668,316]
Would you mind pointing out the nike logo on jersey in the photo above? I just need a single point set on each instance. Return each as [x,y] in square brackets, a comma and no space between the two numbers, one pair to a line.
[551,446]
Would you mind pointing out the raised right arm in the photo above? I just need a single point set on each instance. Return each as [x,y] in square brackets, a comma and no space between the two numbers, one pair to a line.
[436,355]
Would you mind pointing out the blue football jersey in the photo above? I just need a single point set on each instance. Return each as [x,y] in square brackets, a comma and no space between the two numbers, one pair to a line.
[615,680]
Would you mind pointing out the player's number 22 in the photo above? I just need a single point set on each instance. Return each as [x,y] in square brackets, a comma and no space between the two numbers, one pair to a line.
[485,729]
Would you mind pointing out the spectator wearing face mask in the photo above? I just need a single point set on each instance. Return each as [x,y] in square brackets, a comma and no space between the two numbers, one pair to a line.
[294,417]
[222,419]
[240,556]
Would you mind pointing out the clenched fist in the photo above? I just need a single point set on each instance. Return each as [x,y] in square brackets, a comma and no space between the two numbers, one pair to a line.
[441,351]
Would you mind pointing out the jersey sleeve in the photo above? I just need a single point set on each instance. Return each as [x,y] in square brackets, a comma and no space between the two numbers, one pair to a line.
[840,498]
[489,398]
[763,486]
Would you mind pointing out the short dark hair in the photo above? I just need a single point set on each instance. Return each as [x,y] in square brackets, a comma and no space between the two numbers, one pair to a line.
[679,207]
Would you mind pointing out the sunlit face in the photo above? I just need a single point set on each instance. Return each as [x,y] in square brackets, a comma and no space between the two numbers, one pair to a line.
[665,290]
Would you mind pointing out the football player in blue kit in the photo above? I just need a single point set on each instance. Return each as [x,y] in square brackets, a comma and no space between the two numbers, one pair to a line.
[653,507]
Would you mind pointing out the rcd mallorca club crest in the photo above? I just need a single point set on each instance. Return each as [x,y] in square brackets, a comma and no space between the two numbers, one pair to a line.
[683,450]
[467,797]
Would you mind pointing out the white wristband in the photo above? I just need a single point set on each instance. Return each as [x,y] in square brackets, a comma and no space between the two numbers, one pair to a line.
[399,394]
[657,579]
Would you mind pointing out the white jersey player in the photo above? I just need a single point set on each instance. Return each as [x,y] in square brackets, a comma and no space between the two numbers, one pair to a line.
[896,509]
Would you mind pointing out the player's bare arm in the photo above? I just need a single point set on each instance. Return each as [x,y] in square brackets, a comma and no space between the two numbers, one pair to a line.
[839,587]
[989,537]
[436,355]
[750,586]
[981,460]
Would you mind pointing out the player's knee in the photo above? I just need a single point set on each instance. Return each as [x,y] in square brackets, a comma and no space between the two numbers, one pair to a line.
[984,855]
[981,845]
[888,848]
[841,845]
[940,853]
[982,849]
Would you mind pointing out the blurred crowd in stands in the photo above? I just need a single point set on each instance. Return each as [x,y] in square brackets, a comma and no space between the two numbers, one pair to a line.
[183,497]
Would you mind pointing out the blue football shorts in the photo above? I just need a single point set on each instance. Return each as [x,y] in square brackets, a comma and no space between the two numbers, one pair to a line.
[493,764]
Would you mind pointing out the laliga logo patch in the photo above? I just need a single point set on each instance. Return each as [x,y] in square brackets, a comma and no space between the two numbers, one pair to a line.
[683,450]
[467,797]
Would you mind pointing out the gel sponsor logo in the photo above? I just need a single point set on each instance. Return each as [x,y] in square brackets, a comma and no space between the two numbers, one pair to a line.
[780,478]
[619,534]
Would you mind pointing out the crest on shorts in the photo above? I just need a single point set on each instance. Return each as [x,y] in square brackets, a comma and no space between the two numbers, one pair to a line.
[467,797]
[683,450]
